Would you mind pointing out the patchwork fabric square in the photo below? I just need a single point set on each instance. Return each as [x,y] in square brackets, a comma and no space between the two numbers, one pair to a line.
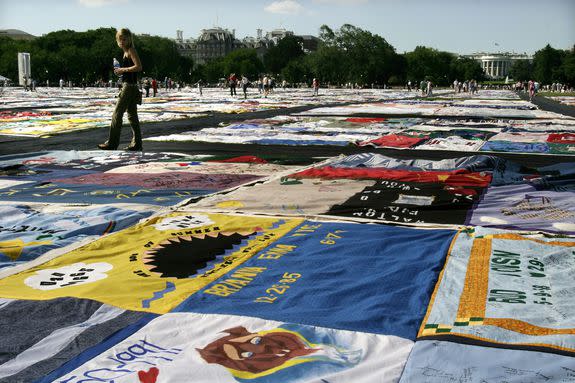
[506,289]
[338,275]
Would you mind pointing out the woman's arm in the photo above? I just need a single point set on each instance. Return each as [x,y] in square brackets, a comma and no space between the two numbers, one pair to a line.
[137,67]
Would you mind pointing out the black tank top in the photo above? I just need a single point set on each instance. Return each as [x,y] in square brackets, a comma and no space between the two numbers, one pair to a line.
[129,77]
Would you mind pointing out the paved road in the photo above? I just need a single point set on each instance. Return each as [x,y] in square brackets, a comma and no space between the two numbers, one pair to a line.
[88,139]
[548,104]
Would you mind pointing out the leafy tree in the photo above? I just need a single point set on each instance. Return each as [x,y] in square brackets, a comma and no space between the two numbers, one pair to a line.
[277,57]
[327,35]
[521,70]
[568,67]
[243,62]
[160,58]
[198,73]
[328,64]
[351,54]
[296,71]
[9,57]
[214,70]
[399,76]
[70,55]
[74,56]
[425,63]
[465,68]
[547,65]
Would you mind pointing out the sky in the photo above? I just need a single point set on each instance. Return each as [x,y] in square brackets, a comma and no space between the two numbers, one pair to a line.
[458,26]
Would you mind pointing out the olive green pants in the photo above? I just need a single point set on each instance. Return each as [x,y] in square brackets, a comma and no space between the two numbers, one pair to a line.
[127,101]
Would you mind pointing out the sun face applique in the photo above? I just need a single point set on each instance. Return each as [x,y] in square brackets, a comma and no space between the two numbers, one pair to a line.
[184,256]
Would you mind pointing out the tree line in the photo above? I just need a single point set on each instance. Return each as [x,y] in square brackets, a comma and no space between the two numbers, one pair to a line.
[348,55]
[87,56]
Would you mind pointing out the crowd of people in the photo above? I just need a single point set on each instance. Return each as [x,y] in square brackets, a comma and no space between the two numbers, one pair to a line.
[558,87]
[472,87]
[265,84]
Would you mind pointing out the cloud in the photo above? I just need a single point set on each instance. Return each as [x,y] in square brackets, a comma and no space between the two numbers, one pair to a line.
[341,2]
[100,3]
[284,7]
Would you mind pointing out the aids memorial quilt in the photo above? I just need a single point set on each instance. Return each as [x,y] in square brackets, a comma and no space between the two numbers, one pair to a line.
[526,207]
[348,270]
[102,178]
[235,280]
[16,165]
[506,289]
[439,362]
[30,230]
[186,347]
[436,108]
[39,336]
[376,193]
[295,130]
[152,266]
[54,111]
[497,125]
[476,190]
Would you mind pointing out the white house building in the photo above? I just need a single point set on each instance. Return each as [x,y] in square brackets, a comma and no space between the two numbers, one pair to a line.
[497,65]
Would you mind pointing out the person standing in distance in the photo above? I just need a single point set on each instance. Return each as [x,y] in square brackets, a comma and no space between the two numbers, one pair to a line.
[129,96]
[315,86]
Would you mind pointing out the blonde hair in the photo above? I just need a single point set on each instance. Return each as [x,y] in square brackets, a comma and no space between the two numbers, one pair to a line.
[127,35]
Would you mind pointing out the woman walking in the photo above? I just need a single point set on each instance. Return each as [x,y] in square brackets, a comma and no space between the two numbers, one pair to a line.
[129,96]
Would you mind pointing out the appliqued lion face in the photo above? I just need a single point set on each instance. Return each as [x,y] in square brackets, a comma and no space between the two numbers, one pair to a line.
[254,352]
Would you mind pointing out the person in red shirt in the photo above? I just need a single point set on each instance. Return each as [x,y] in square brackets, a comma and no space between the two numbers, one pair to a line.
[233,82]
[154,87]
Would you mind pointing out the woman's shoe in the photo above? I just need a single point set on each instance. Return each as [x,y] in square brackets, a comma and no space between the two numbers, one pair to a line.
[105,147]
[133,148]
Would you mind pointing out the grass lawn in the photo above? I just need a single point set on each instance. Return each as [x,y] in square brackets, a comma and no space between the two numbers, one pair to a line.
[556,94]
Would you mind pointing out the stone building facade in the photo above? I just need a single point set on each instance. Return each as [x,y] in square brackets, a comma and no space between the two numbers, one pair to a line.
[218,42]
[212,43]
